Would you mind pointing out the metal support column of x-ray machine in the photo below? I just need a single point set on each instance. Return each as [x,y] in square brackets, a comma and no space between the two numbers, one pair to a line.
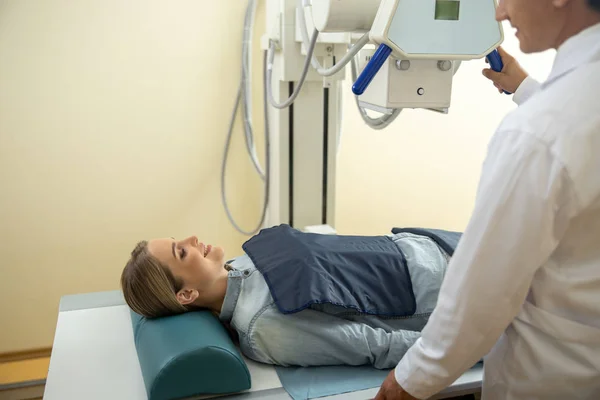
[425,43]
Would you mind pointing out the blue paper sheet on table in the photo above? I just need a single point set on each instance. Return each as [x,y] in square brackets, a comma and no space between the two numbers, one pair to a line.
[314,382]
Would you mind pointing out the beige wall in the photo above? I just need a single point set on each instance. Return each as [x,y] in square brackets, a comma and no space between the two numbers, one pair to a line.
[113,118]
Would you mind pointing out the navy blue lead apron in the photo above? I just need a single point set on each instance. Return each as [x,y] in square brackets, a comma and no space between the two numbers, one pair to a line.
[367,274]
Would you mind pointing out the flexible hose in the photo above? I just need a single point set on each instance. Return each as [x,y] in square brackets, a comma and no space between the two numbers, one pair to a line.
[243,98]
[305,69]
[267,158]
[376,123]
[352,52]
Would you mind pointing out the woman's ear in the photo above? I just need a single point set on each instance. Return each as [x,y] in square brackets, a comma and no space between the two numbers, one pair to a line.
[187,296]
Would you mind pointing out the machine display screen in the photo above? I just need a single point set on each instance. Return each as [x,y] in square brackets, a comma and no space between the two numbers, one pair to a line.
[447,10]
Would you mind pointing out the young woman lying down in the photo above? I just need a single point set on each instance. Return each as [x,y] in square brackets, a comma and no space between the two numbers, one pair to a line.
[298,299]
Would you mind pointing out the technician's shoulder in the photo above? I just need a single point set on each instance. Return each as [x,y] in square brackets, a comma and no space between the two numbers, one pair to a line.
[564,119]
[565,106]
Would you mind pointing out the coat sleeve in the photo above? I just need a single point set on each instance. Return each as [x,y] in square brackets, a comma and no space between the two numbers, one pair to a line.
[524,203]
[313,338]
[525,90]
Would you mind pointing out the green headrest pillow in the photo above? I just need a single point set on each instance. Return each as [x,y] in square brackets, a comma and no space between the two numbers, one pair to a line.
[187,355]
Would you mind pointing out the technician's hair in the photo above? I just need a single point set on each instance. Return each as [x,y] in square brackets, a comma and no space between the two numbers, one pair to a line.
[595,4]
[149,287]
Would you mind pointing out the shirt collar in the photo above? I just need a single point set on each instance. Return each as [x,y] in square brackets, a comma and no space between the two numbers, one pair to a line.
[234,287]
[575,51]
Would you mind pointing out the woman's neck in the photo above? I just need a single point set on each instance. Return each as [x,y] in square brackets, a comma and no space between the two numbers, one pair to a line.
[215,298]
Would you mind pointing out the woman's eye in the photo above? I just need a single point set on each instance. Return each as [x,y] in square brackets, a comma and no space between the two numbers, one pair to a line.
[182,253]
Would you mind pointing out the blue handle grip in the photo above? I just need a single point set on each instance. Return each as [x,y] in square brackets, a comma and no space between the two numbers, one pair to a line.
[364,79]
[496,63]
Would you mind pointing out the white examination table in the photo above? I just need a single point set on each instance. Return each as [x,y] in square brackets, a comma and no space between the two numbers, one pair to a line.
[94,358]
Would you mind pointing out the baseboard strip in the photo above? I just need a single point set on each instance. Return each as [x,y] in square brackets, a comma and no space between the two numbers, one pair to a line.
[25,355]
[30,390]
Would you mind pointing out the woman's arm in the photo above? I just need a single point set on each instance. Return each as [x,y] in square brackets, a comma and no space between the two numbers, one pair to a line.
[313,338]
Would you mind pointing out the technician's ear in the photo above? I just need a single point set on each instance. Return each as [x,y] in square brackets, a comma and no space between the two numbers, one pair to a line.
[187,296]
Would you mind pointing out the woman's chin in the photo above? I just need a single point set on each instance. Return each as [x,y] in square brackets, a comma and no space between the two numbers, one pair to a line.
[216,253]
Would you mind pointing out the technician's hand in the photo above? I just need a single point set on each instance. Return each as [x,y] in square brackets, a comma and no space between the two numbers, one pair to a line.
[511,76]
[391,390]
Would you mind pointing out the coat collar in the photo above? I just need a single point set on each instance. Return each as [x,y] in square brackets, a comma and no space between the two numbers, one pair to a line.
[576,51]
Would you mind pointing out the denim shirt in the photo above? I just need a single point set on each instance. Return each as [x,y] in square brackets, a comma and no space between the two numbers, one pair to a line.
[325,334]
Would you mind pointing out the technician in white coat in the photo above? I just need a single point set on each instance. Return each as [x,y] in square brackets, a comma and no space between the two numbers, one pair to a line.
[523,287]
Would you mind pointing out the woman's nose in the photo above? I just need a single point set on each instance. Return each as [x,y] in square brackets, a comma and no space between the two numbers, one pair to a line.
[192,240]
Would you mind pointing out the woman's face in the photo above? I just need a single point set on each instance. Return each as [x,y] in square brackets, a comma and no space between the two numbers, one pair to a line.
[197,264]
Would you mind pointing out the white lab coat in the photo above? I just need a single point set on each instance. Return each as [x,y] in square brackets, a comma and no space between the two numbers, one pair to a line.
[523,287]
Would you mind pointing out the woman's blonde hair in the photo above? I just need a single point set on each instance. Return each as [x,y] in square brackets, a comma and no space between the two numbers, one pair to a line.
[149,287]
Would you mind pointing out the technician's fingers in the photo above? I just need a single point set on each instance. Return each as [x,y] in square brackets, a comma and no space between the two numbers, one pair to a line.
[511,76]
[505,56]
[492,75]
[497,78]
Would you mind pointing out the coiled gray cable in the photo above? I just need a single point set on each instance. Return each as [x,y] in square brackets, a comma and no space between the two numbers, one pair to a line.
[247,84]
[376,123]
[267,157]
[271,56]
[243,97]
